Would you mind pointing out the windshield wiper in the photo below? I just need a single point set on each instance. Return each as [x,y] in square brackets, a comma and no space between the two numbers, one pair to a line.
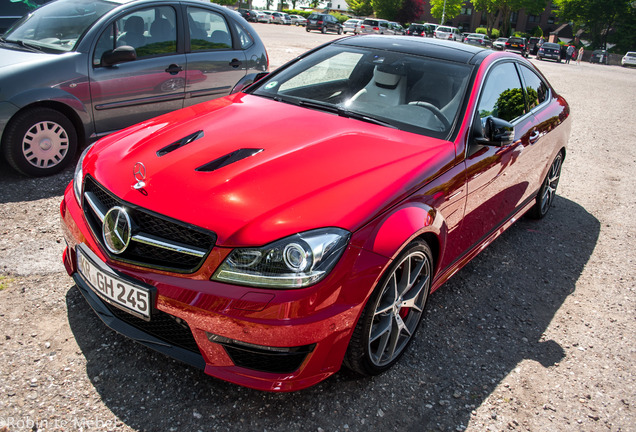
[344,112]
[23,44]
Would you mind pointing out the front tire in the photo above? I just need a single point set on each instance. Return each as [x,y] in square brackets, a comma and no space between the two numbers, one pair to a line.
[547,192]
[393,313]
[39,142]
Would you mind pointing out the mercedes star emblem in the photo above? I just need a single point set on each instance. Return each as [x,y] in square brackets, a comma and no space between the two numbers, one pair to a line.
[116,230]
[139,172]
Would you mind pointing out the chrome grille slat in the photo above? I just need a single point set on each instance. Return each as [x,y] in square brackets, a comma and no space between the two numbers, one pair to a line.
[157,241]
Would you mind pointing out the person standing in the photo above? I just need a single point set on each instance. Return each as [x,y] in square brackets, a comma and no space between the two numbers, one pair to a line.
[568,53]
[580,56]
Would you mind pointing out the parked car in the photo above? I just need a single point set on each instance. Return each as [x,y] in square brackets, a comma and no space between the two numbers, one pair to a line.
[263,17]
[74,71]
[500,43]
[375,26]
[464,36]
[281,18]
[447,33]
[600,57]
[549,50]
[236,251]
[629,59]
[478,39]
[298,20]
[534,43]
[517,44]
[420,30]
[324,23]
[11,11]
[351,25]
[396,28]
[248,14]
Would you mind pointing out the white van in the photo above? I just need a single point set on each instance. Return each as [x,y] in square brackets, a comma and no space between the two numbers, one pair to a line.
[448,33]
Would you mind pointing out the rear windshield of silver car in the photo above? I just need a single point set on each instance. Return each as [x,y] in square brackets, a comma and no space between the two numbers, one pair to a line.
[403,91]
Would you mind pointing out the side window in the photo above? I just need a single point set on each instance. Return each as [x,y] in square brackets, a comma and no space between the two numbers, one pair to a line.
[245,39]
[208,30]
[502,95]
[536,89]
[150,31]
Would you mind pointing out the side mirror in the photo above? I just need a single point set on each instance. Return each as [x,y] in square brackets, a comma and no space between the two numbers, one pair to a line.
[494,132]
[247,81]
[120,54]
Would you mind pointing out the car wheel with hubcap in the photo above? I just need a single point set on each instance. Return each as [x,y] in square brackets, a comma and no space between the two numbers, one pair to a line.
[546,194]
[393,312]
[39,142]
[323,30]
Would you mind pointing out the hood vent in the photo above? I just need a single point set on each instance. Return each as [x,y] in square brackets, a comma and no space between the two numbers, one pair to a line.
[228,159]
[180,143]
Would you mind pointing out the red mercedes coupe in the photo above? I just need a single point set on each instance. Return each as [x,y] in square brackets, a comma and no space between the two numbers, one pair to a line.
[271,236]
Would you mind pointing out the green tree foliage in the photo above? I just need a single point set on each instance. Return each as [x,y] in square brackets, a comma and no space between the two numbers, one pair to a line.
[499,11]
[360,7]
[597,17]
[453,8]
[410,11]
[625,35]
[386,9]
[510,104]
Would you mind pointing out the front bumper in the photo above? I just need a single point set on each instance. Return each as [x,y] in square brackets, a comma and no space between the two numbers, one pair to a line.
[273,340]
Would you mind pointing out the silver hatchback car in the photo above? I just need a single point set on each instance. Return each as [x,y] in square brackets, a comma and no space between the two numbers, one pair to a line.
[73,71]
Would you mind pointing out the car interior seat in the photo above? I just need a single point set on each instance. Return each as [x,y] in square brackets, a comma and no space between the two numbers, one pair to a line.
[161,31]
[134,33]
[387,87]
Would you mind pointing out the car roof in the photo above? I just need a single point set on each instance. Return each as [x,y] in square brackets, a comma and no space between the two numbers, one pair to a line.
[435,48]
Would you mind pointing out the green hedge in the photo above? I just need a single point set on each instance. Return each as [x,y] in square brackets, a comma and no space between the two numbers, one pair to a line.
[482,30]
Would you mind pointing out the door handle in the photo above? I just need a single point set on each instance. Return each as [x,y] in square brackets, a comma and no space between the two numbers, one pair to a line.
[235,63]
[174,69]
[534,137]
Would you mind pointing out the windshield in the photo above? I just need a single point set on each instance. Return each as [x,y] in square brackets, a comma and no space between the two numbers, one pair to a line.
[58,26]
[403,91]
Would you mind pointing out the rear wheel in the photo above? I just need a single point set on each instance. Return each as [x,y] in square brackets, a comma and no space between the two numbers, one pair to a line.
[393,312]
[39,142]
[339,30]
[546,194]
[307,28]
[323,30]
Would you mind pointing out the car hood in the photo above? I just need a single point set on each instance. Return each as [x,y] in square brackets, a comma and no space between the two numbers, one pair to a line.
[15,57]
[279,168]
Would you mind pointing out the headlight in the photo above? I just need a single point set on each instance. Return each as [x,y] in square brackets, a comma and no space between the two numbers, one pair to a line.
[78,177]
[293,262]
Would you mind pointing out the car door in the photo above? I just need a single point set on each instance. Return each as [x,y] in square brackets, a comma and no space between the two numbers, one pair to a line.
[497,177]
[154,83]
[215,60]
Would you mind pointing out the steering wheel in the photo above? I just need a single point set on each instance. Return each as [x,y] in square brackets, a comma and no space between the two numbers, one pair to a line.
[436,112]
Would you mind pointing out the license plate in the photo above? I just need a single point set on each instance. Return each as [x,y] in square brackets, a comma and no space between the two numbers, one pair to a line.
[110,287]
[514,46]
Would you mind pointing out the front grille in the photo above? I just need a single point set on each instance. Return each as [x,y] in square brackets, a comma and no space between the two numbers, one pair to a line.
[156,242]
[162,326]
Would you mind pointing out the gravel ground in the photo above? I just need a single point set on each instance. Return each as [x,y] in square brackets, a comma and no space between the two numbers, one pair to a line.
[537,333]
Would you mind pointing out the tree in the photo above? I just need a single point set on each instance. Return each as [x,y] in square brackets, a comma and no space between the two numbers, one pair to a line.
[386,9]
[410,11]
[500,10]
[452,9]
[360,7]
[595,16]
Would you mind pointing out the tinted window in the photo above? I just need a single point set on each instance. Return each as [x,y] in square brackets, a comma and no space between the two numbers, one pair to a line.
[150,31]
[536,89]
[502,95]
[208,30]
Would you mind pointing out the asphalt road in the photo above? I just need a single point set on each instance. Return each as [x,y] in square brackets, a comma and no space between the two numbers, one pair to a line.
[537,333]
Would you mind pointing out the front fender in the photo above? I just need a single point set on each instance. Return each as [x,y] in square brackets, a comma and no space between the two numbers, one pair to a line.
[396,229]
[55,96]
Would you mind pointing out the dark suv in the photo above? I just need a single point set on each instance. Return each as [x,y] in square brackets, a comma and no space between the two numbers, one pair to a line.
[420,30]
[324,23]
[517,44]
[534,43]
